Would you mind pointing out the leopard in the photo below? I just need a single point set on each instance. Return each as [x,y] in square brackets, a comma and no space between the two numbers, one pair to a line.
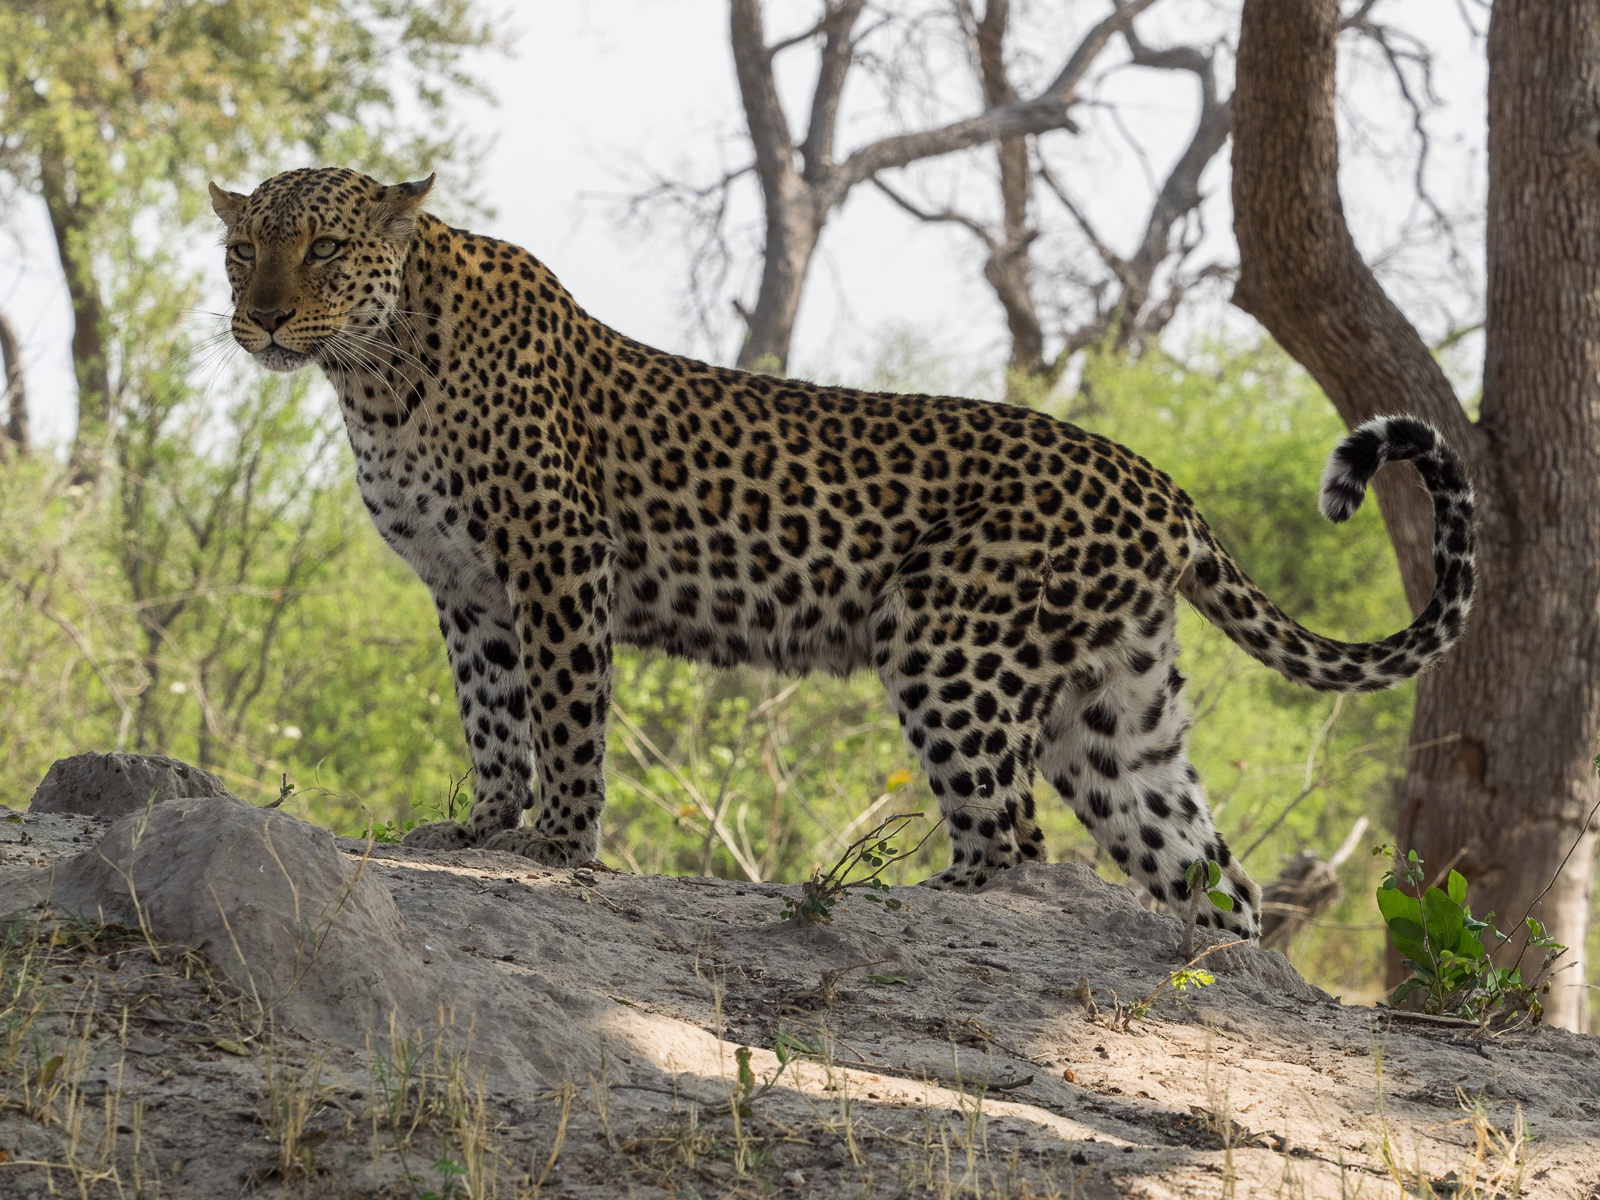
[562,489]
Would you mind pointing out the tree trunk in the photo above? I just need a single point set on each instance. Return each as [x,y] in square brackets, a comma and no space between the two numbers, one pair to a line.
[1008,268]
[1524,692]
[1501,778]
[70,224]
[792,233]
[13,398]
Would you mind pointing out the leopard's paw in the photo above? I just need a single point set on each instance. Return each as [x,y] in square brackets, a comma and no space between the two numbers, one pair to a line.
[527,843]
[956,880]
[439,835]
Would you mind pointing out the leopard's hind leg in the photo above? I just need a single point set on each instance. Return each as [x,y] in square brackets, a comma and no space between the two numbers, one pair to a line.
[971,713]
[1114,747]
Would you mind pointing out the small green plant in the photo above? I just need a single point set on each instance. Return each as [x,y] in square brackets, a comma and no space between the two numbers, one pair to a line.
[451,1176]
[826,890]
[1185,977]
[1443,944]
[395,831]
[1201,879]
[1203,876]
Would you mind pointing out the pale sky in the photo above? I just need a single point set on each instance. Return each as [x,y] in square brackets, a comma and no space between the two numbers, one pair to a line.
[598,92]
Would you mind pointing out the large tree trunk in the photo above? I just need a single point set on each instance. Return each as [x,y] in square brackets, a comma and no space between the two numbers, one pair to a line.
[13,396]
[1501,778]
[69,223]
[1525,693]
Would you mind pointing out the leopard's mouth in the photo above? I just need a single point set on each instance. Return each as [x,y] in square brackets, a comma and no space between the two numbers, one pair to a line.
[280,358]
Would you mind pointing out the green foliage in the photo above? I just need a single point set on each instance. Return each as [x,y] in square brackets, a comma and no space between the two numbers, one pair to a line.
[452,1181]
[827,890]
[115,116]
[1185,977]
[1203,874]
[229,605]
[1443,944]
[132,101]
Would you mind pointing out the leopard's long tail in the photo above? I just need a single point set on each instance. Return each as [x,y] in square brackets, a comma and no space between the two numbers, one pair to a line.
[1214,583]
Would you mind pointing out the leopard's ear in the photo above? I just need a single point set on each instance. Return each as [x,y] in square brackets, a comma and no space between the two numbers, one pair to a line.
[227,205]
[395,212]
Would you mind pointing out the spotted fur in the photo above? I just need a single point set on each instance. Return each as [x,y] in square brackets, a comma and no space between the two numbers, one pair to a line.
[558,486]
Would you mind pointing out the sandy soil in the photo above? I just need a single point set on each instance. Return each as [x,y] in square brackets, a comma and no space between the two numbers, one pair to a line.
[958,1046]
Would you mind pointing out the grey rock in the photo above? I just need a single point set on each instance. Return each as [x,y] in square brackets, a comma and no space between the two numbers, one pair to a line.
[114,785]
[268,898]
[309,932]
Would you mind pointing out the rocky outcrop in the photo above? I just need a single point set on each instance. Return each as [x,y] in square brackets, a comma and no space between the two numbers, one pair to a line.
[114,785]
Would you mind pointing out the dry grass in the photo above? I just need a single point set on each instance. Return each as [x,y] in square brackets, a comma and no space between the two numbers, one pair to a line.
[71,995]
[295,1096]
[75,992]
[1494,1167]
[63,1043]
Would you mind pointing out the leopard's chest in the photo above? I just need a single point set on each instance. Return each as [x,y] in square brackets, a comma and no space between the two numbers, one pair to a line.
[405,482]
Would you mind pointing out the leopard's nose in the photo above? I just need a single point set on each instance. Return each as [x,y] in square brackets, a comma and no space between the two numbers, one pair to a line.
[270,321]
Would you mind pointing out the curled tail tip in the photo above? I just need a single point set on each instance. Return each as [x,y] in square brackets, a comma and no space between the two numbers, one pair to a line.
[1356,459]
[1342,491]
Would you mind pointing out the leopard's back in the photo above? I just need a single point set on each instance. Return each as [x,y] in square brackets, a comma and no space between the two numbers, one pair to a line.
[770,522]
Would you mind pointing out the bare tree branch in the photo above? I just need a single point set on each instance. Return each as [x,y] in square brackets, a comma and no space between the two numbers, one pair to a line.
[803,184]
[942,215]
[1180,194]
[798,201]
[1114,262]
[837,53]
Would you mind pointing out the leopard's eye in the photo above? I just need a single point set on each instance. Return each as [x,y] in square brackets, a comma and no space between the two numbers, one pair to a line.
[323,248]
[244,250]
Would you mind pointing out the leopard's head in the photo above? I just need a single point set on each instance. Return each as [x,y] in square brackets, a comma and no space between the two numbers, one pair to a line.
[315,259]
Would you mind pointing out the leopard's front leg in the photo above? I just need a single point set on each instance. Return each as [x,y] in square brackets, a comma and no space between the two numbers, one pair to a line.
[564,623]
[480,637]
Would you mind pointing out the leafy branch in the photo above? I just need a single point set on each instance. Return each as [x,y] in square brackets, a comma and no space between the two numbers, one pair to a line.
[827,890]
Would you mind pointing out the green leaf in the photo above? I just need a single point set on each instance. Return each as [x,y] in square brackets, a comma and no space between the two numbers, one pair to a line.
[1457,887]
[747,1078]
[1468,946]
[1405,989]
[1394,904]
[1407,935]
[1442,917]
[1425,970]
[1222,900]
[1213,874]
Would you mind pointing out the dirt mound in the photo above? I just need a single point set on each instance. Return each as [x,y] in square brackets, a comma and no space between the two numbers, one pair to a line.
[306,933]
[114,785]
[590,1028]
[267,898]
